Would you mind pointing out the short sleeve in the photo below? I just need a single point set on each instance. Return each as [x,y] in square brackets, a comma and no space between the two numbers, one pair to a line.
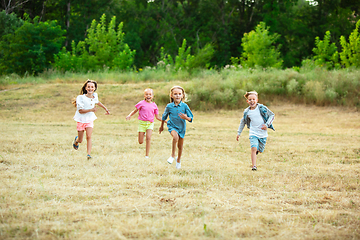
[189,113]
[138,105]
[96,98]
[156,109]
[79,102]
[166,113]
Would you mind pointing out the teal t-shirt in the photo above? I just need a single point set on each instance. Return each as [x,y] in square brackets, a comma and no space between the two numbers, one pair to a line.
[176,123]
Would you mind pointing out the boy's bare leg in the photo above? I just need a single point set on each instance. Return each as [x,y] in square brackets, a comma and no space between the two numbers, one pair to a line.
[253,155]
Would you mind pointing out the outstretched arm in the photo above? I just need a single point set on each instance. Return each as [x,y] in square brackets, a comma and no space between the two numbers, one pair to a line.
[241,127]
[103,106]
[132,113]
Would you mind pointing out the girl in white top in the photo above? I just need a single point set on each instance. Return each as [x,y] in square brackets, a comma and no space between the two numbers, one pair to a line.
[85,113]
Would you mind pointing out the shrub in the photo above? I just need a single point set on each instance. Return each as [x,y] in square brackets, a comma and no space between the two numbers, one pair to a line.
[259,49]
[31,48]
[350,55]
[326,54]
[103,48]
[184,60]
[9,23]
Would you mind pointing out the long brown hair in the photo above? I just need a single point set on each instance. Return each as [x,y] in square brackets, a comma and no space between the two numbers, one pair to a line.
[83,89]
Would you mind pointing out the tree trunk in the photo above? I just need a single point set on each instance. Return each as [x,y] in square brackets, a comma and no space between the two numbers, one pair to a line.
[68,8]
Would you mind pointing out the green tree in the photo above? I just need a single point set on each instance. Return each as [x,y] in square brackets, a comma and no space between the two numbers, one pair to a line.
[9,23]
[103,48]
[259,49]
[74,16]
[31,48]
[326,54]
[350,54]
[185,60]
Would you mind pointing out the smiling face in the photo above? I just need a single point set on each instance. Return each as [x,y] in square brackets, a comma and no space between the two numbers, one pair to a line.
[90,88]
[177,95]
[252,100]
[148,95]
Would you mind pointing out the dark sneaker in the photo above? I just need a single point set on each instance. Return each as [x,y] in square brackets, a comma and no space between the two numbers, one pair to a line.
[254,168]
[75,143]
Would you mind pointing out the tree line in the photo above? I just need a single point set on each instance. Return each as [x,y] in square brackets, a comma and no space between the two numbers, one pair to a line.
[84,35]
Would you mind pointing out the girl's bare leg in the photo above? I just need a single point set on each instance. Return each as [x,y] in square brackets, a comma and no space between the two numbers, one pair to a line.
[80,136]
[180,148]
[175,136]
[141,137]
[148,141]
[89,131]
[253,155]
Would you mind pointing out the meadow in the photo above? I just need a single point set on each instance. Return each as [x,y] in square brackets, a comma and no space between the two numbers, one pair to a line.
[306,187]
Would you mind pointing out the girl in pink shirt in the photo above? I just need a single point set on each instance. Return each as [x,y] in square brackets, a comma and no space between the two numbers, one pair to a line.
[147,110]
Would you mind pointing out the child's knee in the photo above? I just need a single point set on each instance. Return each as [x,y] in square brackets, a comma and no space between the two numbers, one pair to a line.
[254,149]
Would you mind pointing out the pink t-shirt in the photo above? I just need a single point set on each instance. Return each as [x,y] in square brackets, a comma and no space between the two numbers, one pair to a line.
[147,110]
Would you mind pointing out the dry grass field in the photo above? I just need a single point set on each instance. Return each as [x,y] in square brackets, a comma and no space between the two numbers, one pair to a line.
[306,187]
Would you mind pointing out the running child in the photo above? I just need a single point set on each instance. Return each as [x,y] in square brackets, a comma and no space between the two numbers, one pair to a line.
[258,118]
[147,110]
[178,112]
[85,113]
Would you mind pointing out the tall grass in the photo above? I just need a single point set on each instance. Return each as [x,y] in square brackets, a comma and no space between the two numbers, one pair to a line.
[211,89]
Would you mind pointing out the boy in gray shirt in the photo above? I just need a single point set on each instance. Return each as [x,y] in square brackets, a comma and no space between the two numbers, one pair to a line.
[258,119]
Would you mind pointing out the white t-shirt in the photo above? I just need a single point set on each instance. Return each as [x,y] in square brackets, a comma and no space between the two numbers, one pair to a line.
[83,102]
[256,122]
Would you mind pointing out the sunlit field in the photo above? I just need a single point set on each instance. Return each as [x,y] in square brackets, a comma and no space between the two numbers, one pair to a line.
[306,187]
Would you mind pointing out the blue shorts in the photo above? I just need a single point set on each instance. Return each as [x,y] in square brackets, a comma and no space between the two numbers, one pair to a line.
[259,143]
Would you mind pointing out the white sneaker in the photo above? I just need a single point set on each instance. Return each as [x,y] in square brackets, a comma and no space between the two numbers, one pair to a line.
[147,157]
[178,165]
[170,160]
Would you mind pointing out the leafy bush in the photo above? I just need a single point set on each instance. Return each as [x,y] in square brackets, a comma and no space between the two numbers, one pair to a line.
[350,55]
[9,23]
[259,50]
[103,48]
[202,58]
[326,54]
[184,60]
[31,48]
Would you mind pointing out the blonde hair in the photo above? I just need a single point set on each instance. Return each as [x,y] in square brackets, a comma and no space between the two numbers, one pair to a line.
[152,91]
[83,89]
[184,99]
[250,93]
